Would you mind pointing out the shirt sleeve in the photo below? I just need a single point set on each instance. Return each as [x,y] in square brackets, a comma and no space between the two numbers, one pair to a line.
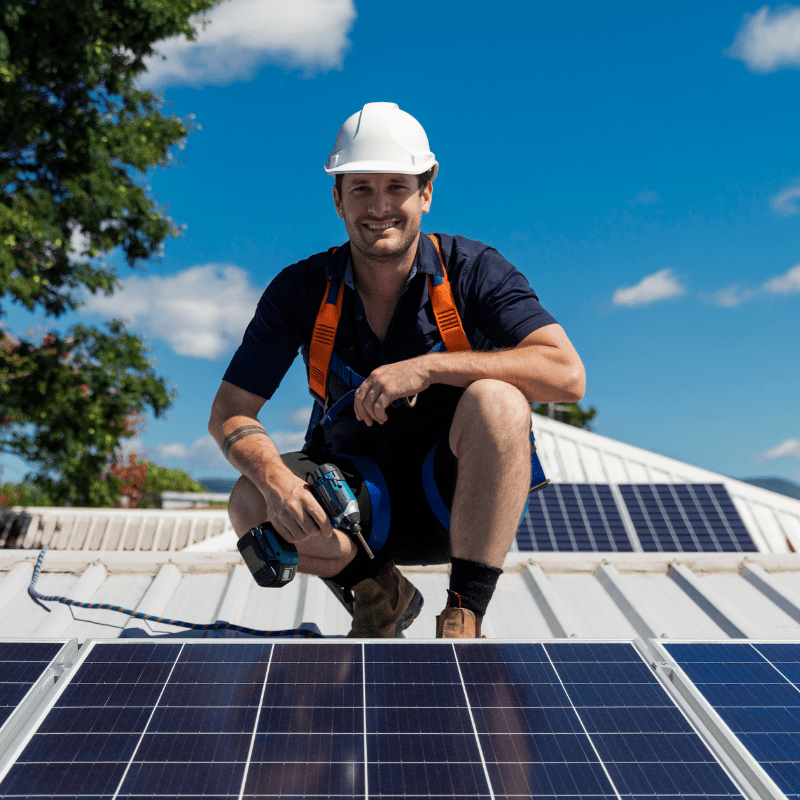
[272,339]
[503,306]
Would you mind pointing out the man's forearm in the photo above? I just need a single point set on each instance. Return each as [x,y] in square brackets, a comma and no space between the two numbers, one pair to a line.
[246,445]
[542,373]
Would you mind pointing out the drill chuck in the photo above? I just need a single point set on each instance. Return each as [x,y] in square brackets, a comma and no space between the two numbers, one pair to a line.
[336,497]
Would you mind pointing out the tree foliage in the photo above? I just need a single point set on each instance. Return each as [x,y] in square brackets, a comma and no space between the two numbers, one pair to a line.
[66,402]
[77,139]
[570,413]
[142,482]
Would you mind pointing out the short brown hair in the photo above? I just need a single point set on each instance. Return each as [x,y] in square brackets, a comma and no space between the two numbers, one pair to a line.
[423,178]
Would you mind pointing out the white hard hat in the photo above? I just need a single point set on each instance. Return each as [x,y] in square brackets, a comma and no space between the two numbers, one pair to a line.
[381,138]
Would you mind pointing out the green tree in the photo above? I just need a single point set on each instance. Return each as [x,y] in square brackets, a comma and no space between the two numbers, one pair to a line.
[78,136]
[571,413]
[160,479]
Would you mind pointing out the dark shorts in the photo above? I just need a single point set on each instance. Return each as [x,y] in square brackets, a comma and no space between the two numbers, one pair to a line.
[416,534]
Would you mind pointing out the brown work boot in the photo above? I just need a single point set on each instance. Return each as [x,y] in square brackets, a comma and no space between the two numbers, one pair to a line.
[458,623]
[385,605]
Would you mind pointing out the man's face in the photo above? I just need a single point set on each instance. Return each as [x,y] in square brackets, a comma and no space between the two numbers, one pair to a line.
[382,212]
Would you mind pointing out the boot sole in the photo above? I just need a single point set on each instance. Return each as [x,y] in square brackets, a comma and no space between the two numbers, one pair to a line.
[411,613]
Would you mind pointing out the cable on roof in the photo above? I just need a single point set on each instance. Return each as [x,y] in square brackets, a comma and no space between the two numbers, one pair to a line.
[301,633]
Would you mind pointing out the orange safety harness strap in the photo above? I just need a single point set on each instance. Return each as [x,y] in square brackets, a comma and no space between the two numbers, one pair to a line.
[444,308]
[322,340]
[319,352]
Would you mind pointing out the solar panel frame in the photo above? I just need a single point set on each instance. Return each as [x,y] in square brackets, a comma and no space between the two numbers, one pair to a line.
[394,762]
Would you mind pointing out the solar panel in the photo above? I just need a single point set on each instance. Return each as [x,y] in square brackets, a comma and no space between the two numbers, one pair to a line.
[573,517]
[21,665]
[755,689]
[348,719]
[696,517]
[26,682]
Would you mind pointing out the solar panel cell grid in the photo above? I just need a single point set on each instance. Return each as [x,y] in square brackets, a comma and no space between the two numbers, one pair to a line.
[754,688]
[377,720]
[21,665]
[685,518]
[568,517]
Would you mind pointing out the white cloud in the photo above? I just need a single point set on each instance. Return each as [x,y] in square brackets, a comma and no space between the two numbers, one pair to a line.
[78,244]
[298,417]
[133,446]
[731,297]
[204,454]
[768,40]
[785,284]
[201,454]
[788,449]
[784,204]
[288,442]
[644,197]
[243,35]
[201,312]
[661,285]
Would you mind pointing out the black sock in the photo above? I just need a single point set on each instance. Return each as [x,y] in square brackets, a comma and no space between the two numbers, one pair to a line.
[473,584]
[362,566]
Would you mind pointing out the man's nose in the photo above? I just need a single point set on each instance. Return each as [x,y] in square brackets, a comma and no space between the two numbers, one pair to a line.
[380,203]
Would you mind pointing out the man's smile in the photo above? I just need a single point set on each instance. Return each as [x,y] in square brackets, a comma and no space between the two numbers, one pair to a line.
[381,226]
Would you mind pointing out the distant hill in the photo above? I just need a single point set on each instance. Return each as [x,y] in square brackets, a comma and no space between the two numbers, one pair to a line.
[218,484]
[779,485]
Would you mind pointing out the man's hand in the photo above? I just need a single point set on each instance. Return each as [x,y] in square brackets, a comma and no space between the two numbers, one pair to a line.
[388,383]
[294,511]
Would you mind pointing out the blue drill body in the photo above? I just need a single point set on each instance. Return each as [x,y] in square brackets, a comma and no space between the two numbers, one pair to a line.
[272,560]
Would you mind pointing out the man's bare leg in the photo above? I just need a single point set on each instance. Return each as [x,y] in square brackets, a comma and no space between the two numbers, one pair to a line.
[383,604]
[490,438]
[318,555]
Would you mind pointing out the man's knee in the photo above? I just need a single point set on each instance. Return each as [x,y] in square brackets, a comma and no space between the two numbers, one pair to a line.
[490,407]
[246,506]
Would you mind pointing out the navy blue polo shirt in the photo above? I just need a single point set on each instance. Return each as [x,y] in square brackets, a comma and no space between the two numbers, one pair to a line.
[498,309]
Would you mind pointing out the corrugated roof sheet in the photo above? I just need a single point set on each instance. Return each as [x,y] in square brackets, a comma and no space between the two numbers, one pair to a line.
[110,528]
[586,596]
[154,561]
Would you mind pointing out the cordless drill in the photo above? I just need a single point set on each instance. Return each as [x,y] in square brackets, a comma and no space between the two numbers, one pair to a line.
[271,559]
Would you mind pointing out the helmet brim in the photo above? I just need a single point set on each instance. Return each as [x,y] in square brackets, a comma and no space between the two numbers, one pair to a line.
[385,168]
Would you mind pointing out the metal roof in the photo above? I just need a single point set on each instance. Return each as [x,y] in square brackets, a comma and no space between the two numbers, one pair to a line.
[554,595]
[121,529]
[183,564]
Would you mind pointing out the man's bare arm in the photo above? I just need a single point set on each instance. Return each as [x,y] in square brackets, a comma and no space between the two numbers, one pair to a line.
[544,366]
[234,425]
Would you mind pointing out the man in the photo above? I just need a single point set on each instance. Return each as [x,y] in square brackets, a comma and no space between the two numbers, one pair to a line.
[438,348]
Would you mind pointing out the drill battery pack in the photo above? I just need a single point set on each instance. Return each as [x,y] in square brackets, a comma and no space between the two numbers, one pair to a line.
[272,560]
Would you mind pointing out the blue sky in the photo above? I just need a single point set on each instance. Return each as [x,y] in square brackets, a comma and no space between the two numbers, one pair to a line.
[638,162]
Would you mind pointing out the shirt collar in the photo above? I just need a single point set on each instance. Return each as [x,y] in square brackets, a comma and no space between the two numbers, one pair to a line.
[340,264]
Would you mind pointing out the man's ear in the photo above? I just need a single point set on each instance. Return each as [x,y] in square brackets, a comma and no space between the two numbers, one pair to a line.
[337,201]
[427,197]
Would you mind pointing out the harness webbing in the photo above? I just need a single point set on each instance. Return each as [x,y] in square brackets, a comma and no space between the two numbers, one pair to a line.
[322,340]
[444,308]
